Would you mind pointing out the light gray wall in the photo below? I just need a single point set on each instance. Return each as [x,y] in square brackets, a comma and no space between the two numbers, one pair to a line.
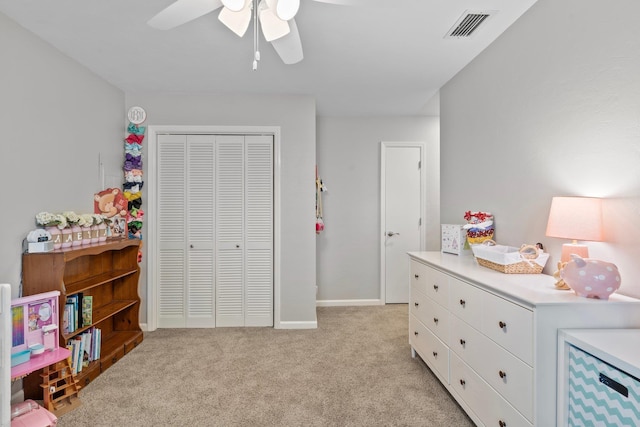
[551,108]
[296,117]
[348,152]
[57,118]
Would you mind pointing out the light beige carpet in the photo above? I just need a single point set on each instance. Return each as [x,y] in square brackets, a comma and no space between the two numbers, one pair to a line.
[354,370]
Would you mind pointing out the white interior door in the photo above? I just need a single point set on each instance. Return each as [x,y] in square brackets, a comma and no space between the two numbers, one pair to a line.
[402,216]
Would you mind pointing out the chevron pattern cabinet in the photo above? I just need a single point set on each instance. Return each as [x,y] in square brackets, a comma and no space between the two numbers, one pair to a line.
[598,379]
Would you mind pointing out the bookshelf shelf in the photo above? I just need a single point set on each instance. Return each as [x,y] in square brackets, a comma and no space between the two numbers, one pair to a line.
[108,273]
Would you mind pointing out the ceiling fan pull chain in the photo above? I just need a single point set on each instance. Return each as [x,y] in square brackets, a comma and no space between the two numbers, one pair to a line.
[256,51]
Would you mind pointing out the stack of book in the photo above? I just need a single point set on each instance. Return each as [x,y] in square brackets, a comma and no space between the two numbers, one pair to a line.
[78,313]
[84,348]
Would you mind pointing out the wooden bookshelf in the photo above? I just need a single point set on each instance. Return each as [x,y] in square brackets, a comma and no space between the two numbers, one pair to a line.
[107,271]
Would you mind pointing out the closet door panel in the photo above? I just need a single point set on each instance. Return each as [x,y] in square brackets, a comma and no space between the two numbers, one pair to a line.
[200,231]
[229,194]
[259,231]
[171,230]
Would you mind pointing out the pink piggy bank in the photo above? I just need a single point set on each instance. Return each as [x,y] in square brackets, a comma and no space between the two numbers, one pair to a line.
[591,278]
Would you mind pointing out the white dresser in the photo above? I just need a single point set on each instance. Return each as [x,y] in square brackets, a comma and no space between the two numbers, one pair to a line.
[491,338]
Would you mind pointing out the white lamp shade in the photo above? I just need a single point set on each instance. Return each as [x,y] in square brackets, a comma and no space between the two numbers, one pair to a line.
[575,218]
[272,27]
[238,22]
[234,5]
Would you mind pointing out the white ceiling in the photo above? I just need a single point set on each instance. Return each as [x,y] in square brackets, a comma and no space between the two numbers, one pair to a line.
[377,57]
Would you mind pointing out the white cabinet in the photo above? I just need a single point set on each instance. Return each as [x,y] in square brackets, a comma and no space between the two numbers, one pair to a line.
[499,334]
[215,230]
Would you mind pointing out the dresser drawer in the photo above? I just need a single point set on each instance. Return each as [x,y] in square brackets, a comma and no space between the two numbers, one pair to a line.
[431,314]
[509,376]
[433,351]
[468,343]
[465,301]
[431,282]
[510,325]
[485,403]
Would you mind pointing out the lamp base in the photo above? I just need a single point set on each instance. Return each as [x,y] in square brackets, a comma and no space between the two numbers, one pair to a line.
[573,248]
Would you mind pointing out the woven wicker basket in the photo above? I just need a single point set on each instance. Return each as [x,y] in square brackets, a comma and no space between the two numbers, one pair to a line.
[510,260]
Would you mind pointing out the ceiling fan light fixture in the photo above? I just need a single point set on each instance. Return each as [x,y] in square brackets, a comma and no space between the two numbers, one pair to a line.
[234,5]
[284,9]
[287,9]
[273,27]
[238,22]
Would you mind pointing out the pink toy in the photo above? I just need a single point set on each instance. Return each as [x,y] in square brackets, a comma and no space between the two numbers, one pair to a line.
[591,278]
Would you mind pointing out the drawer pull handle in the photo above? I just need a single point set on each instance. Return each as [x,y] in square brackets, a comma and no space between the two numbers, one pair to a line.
[114,359]
[416,276]
[502,324]
[415,333]
[435,320]
[462,342]
[435,354]
[462,382]
[435,287]
[502,374]
[502,423]
[87,381]
[462,302]
[416,304]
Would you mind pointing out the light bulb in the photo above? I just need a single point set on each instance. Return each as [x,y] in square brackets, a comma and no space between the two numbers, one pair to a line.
[234,5]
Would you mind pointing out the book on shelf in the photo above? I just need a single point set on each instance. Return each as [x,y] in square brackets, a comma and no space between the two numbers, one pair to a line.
[87,310]
[84,348]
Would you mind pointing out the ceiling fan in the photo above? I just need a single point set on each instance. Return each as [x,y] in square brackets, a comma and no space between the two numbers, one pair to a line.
[274,17]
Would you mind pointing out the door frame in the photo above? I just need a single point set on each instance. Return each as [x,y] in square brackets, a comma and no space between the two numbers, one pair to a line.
[423,204]
[151,187]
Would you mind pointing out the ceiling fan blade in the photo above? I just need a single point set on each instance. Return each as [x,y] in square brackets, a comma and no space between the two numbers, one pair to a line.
[181,12]
[289,47]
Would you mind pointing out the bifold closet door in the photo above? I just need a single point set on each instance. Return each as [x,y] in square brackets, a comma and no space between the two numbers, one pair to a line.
[186,290]
[244,230]
[215,230]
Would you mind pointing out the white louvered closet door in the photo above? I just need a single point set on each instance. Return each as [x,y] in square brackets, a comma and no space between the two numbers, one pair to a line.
[171,216]
[258,301]
[244,236]
[229,230]
[215,230]
[200,290]
[186,231]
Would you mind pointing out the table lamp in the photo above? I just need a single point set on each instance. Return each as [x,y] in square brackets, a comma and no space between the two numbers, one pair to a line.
[575,218]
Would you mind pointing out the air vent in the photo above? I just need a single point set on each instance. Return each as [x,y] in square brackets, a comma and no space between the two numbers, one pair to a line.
[468,24]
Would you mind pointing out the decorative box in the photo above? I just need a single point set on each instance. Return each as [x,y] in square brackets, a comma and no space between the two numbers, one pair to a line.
[454,239]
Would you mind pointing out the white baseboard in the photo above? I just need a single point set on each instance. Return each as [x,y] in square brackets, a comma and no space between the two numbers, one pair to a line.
[144,327]
[347,302]
[298,325]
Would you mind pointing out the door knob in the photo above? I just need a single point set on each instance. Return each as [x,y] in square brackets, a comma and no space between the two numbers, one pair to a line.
[392,233]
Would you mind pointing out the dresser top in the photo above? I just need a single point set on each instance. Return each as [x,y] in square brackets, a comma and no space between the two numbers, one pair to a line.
[530,290]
